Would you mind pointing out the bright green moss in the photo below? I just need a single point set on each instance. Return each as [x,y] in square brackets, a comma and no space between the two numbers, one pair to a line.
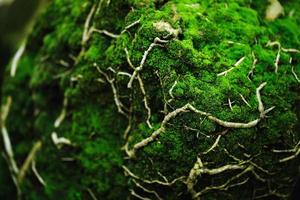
[211,37]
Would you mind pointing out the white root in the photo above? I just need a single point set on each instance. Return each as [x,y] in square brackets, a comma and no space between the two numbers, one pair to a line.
[230,69]
[62,115]
[187,108]
[141,83]
[230,104]
[260,104]
[124,74]
[112,35]
[280,48]
[290,50]
[105,32]
[199,169]
[117,100]
[133,193]
[295,150]
[36,173]
[16,59]
[130,26]
[271,44]
[59,142]
[146,53]
[16,173]
[142,88]
[9,154]
[245,101]
[147,190]
[226,185]
[250,73]
[214,145]
[295,75]
[87,27]
[28,161]
[164,183]
[92,195]
[171,91]
[261,108]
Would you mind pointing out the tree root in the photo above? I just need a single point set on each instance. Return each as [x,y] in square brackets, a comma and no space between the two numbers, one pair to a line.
[199,169]
[142,88]
[163,183]
[157,42]
[230,69]
[121,108]
[280,48]
[295,150]
[187,108]
[250,73]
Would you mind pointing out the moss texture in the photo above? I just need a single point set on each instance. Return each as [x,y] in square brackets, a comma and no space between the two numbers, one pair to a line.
[204,38]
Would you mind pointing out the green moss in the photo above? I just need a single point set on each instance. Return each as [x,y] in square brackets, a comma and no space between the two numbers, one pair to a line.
[212,37]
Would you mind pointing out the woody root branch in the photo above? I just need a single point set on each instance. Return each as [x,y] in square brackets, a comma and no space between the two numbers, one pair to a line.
[189,108]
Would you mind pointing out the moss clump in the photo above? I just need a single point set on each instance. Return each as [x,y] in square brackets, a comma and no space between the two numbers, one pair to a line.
[199,40]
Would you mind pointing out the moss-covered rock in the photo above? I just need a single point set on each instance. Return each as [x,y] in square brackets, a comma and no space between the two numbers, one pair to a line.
[107,75]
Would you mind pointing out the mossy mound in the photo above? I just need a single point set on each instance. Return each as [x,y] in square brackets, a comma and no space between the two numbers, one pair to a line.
[108,75]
